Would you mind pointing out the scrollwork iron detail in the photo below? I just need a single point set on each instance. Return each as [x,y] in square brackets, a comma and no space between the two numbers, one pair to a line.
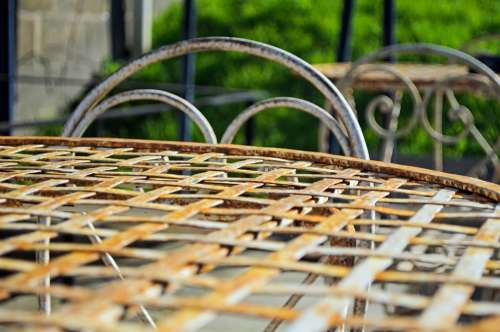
[384,103]
[483,81]
[456,112]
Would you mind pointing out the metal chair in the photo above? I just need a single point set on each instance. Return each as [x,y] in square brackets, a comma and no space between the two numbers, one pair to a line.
[345,128]
[428,91]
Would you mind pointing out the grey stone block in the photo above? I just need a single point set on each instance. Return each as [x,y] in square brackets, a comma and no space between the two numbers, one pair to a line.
[36,5]
[85,6]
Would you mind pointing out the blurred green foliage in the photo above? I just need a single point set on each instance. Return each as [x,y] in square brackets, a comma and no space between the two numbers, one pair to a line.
[308,29]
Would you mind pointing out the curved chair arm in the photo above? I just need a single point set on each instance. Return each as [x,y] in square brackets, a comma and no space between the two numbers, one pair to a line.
[299,66]
[295,103]
[147,94]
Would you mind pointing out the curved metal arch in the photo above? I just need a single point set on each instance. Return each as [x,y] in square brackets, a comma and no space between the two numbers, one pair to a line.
[294,63]
[385,102]
[146,94]
[295,103]
[431,49]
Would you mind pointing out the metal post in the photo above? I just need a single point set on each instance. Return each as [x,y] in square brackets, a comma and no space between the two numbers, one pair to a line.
[250,127]
[8,19]
[437,146]
[249,131]
[117,29]
[388,21]
[343,54]
[344,48]
[188,68]
[390,120]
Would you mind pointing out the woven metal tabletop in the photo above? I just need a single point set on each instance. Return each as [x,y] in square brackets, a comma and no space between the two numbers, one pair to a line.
[126,235]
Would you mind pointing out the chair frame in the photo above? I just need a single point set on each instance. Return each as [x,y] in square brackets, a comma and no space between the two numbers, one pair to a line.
[483,79]
[348,126]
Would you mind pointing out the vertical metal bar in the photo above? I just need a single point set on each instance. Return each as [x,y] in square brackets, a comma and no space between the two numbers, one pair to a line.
[117,30]
[344,47]
[250,128]
[388,21]
[343,54]
[249,131]
[188,68]
[392,125]
[388,38]
[8,18]
[437,146]
[99,127]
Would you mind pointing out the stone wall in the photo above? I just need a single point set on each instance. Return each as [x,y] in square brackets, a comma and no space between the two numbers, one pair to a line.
[61,44]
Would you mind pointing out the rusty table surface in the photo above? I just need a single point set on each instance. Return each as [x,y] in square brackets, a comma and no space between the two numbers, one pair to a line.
[423,75]
[126,235]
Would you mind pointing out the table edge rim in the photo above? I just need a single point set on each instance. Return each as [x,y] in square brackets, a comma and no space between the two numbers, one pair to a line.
[462,182]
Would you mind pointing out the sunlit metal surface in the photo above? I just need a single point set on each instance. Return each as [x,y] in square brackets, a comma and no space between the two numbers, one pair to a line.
[189,237]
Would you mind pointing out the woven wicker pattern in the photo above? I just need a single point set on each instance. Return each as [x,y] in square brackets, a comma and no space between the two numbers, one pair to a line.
[186,239]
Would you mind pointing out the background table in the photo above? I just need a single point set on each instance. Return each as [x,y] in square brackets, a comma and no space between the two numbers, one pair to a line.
[421,74]
[404,99]
[99,234]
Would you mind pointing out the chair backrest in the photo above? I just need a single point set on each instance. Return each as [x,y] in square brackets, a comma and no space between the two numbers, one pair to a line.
[345,127]
[429,86]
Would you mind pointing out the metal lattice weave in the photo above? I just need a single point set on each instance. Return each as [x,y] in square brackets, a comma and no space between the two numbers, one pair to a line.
[123,235]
